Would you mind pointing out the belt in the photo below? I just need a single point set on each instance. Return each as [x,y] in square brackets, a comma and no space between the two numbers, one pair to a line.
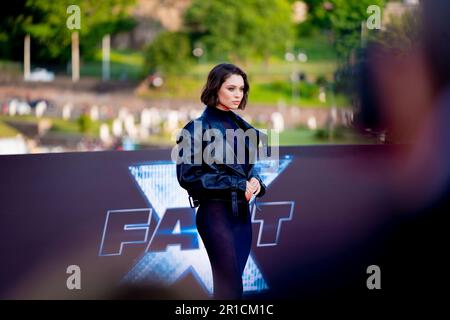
[234,202]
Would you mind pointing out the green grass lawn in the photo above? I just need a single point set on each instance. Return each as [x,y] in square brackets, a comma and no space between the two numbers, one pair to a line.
[304,136]
[265,78]
[261,93]
[6,131]
[23,118]
[317,48]
[322,62]
[289,137]
[58,125]
[268,86]
[124,64]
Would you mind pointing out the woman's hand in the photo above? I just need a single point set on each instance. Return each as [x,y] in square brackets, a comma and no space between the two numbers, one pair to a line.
[253,187]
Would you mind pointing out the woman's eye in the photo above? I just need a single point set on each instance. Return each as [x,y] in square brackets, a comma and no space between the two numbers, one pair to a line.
[232,89]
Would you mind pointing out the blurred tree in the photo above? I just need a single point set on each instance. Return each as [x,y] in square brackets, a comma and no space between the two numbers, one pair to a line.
[169,53]
[238,30]
[342,17]
[399,38]
[402,33]
[318,14]
[346,18]
[12,19]
[46,20]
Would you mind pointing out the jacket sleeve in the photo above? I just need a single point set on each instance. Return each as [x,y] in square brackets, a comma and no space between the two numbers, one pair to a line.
[253,174]
[197,177]
[262,138]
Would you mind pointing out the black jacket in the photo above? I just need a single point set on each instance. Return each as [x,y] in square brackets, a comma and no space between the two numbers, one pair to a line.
[216,180]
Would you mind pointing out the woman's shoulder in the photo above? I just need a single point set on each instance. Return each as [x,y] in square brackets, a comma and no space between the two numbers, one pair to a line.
[199,121]
[242,123]
[247,126]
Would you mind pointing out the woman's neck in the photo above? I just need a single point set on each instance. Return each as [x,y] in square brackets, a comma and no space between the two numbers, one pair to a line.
[222,107]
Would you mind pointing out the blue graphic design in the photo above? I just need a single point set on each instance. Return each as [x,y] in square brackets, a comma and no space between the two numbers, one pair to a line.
[158,183]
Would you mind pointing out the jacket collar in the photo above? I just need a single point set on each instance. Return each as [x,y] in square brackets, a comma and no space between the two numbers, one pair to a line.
[214,121]
[211,116]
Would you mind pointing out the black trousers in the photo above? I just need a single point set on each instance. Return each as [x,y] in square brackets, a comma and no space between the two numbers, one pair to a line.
[228,241]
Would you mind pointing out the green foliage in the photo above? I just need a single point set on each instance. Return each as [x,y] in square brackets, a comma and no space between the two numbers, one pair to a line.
[316,21]
[12,18]
[346,19]
[307,29]
[329,133]
[237,30]
[306,89]
[398,37]
[84,123]
[279,86]
[321,80]
[343,18]
[46,21]
[169,53]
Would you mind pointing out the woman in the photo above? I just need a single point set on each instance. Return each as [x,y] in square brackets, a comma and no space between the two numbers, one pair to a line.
[221,188]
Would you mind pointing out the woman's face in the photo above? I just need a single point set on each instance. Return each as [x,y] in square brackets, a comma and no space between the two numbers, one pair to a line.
[231,93]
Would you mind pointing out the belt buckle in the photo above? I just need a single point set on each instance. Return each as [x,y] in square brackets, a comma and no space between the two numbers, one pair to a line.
[194,203]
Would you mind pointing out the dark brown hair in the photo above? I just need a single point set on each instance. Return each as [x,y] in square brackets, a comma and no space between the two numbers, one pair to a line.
[216,77]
